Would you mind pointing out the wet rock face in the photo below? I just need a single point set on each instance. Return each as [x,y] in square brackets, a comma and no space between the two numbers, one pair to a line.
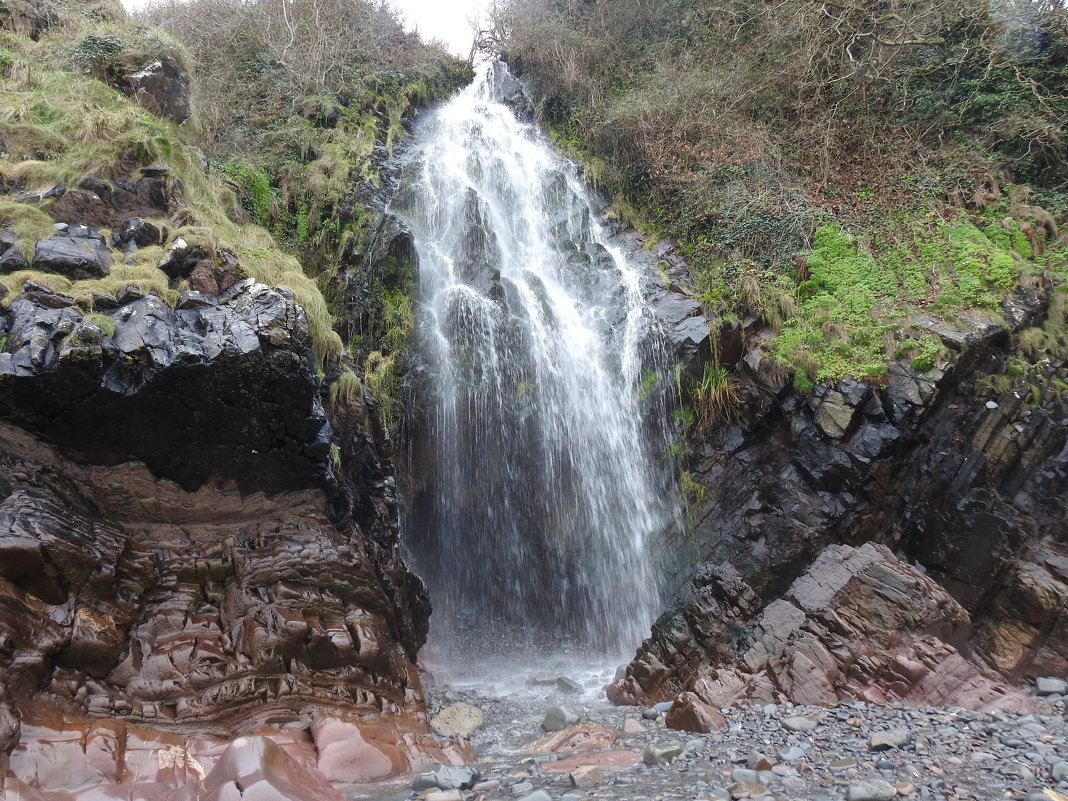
[179,552]
[858,624]
[161,88]
[970,483]
[80,253]
[224,390]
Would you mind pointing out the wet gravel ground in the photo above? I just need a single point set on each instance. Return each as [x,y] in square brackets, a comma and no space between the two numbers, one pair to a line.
[845,752]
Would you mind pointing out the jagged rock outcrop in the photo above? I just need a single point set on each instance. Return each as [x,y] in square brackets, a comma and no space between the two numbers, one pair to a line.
[182,561]
[968,481]
[161,87]
[110,203]
[858,624]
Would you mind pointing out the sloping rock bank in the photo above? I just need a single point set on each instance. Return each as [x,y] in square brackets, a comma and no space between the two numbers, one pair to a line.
[905,542]
[182,561]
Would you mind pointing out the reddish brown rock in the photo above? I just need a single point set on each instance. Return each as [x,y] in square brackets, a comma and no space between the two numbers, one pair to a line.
[700,633]
[211,276]
[690,713]
[185,564]
[859,623]
[586,736]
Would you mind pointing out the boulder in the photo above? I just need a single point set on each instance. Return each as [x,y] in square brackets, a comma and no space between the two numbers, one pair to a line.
[458,720]
[73,255]
[859,623]
[690,713]
[161,87]
[560,717]
[445,777]
[258,768]
[586,736]
[180,259]
[11,258]
[135,233]
[111,203]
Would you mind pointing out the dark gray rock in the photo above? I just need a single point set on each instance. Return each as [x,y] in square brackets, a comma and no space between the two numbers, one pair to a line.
[871,790]
[77,257]
[11,258]
[180,258]
[1050,685]
[445,777]
[135,232]
[560,717]
[240,374]
[161,88]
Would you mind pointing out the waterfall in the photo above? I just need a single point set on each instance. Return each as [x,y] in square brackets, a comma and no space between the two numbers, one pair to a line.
[538,493]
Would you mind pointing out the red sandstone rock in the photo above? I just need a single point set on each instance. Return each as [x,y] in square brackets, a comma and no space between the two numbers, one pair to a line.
[859,623]
[690,713]
[587,736]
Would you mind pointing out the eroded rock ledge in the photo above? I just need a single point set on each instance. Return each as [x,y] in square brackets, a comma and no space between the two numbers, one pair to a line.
[183,562]
[928,513]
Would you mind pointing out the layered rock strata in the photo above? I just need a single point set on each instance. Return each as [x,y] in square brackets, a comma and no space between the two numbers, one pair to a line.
[964,480]
[183,562]
[858,624]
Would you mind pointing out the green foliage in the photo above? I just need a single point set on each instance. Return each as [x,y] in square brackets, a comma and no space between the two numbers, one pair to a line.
[304,91]
[693,494]
[924,350]
[96,52]
[713,395]
[856,298]
[255,190]
[684,116]
[380,371]
[649,381]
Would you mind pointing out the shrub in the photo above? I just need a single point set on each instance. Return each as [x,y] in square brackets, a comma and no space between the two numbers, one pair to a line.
[714,396]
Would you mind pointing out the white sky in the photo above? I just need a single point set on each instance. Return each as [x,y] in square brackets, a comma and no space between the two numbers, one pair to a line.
[446,20]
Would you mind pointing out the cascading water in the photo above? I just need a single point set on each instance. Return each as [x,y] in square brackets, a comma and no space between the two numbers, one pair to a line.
[537,496]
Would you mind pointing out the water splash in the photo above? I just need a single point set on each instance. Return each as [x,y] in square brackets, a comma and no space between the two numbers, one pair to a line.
[536,496]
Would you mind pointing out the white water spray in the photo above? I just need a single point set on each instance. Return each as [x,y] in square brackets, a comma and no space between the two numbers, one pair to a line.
[540,498]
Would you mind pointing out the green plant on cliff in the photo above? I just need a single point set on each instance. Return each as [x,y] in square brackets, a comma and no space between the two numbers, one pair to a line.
[714,396]
[305,91]
[879,178]
[346,389]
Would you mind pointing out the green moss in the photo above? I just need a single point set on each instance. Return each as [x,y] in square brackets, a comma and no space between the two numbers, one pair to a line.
[693,494]
[103,322]
[856,297]
[255,191]
[381,373]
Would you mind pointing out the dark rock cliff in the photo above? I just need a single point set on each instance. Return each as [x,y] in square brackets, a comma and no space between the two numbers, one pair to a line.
[960,476]
[180,552]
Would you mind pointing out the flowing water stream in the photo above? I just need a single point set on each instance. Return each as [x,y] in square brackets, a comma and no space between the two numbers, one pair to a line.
[538,493]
